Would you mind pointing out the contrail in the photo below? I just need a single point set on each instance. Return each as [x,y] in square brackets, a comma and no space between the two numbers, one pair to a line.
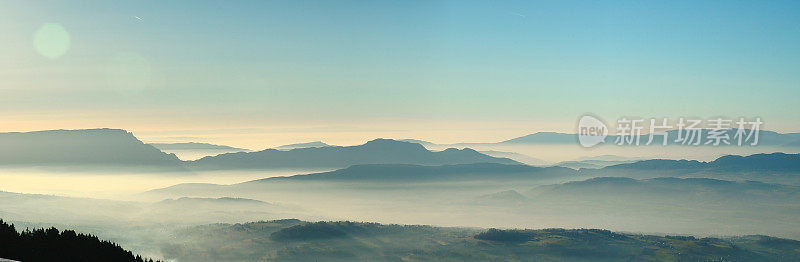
[517,14]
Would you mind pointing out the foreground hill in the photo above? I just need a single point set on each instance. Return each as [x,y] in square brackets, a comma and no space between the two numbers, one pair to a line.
[294,240]
[52,245]
[379,151]
[103,147]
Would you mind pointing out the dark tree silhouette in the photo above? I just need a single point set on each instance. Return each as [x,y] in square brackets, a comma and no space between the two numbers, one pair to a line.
[51,245]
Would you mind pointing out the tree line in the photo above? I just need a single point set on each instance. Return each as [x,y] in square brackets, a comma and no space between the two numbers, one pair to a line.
[53,245]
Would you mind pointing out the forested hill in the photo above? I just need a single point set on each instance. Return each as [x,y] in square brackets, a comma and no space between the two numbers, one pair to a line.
[54,245]
[295,240]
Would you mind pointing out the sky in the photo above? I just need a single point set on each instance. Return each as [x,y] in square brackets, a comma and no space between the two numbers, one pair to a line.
[265,73]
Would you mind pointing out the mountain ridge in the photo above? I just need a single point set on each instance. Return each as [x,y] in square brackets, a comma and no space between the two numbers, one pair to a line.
[378,151]
[777,161]
[194,146]
[302,145]
[99,146]
[406,172]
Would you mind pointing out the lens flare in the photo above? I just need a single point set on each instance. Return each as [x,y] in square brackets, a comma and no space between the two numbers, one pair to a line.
[51,40]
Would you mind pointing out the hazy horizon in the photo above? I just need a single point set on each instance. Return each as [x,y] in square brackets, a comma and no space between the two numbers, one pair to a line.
[455,130]
[253,75]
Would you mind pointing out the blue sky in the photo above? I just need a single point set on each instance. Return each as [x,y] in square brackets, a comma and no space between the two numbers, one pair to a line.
[415,67]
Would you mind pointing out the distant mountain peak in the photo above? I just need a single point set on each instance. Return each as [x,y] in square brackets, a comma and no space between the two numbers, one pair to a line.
[391,144]
[504,196]
[195,146]
[603,180]
[377,151]
[385,141]
[544,138]
[464,151]
[756,162]
[765,137]
[303,145]
[99,146]
[764,161]
[422,142]
[220,200]
[409,172]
